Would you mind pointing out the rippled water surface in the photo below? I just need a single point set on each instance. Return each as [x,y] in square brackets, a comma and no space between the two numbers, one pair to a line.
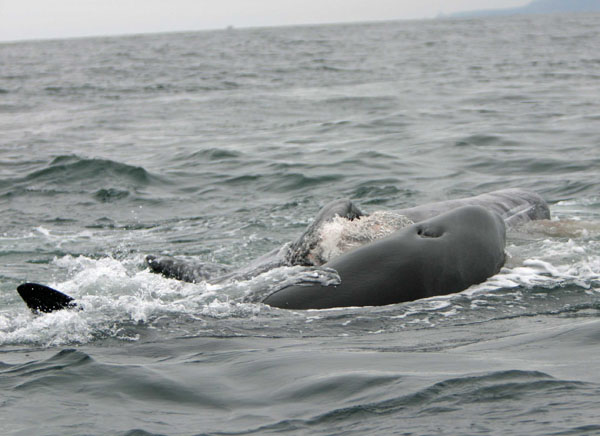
[221,146]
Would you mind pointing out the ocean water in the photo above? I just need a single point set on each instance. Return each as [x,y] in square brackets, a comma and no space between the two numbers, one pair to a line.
[221,146]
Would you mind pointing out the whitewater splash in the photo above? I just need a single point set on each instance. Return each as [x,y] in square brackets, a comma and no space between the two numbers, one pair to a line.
[120,299]
[341,234]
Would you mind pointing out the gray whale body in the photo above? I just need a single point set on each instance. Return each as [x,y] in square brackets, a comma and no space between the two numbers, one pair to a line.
[514,206]
[441,255]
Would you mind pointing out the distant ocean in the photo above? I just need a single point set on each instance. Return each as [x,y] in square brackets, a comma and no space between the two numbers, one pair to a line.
[220,146]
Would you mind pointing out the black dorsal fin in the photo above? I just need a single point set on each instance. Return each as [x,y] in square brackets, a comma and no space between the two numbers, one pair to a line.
[40,298]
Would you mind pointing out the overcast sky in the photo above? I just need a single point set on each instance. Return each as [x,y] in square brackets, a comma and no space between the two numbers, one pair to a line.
[34,19]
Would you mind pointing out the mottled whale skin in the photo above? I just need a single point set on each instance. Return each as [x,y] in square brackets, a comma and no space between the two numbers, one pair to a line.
[438,256]
[515,206]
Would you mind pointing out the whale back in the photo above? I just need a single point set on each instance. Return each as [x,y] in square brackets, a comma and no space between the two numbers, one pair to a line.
[442,255]
[515,206]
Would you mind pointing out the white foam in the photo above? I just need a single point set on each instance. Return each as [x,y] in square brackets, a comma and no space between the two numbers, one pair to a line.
[341,234]
[43,231]
[564,228]
[560,263]
[117,295]
[589,201]
[51,329]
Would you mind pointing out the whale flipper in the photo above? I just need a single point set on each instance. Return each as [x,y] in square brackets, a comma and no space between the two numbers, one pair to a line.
[43,299]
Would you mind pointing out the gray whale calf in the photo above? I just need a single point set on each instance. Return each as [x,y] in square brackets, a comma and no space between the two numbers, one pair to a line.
[452,245]
[514,206]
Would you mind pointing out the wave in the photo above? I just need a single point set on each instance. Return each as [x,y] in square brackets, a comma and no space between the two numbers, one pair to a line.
[70,168]
[454,401]
[71,366]
[227,388]
[487,140]
[283,181]
[170,89]
[110,195]
[105,180]
[213,154]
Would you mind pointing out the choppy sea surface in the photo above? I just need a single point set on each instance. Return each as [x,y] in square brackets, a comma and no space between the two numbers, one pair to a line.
[220,146]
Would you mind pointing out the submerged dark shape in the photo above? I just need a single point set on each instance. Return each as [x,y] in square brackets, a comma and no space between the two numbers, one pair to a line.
[179,269]
[439,256]
[43,299]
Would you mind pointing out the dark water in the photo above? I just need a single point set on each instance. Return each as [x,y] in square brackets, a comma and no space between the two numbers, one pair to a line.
[222,146]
